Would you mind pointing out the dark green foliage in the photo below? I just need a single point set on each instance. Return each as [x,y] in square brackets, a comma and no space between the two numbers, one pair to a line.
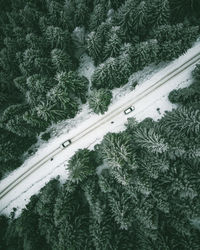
[46,136]
[61,60]
[99,100]
[106,75]
[116,150]
[74,84]
[72,219]
[196,72]
[144,53]
[145,193]
[3,229]
[125,18]
[96,42]
[98,15]
[174,40]
[148,139]
[184,120]
[57,38]
[159,13]
[113,44]
[80,166]
[81,14]
[184,8]
[185,96]
[46,200]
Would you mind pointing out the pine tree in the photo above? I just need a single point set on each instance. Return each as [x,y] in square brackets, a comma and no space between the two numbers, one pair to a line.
[49,112]
[113,44]
[117,151]
[54,10]
[107,75]
[61,60]
[37,87]
[98,16]
[139,18]
[79,166]
[27,66]
[81,14]
[181,9]
[196,72]
[99,100]
[44,208]
[12,111]
[159,13]
[183,121]
[145,53]
[57,38]
[120,204]
[94,46]
[31,117]
[124,18]
[71,216]
[125,61]
[19,126]
[150,140]
[73,84]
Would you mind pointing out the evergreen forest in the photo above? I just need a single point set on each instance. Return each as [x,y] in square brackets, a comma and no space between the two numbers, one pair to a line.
[40,46]
[137,190]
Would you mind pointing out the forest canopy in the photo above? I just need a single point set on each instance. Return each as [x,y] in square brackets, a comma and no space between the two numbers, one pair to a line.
[138,189]
[41,43]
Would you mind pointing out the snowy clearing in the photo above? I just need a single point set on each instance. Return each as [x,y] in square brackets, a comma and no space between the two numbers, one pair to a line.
[146,107]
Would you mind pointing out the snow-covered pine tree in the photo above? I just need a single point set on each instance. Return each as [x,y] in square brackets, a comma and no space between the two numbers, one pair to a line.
[159,13]
[46,200]
[81,14]
[150,140]
[75,85]
[184,8]
[54,9]
[19,126]
[185,121]
[32,118]
[117,151]
[140,19]
[94,46]
[99,100]
[196,72]
[61,60]
[124,18]
[106,75]
[121,206]
[80,166]
[98,15]
[113,44]
[125,61]
[57,38]
[27,66]
[49,112]
[144,53]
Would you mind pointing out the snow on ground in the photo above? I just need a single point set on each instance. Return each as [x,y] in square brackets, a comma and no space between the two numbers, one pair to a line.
[146,107]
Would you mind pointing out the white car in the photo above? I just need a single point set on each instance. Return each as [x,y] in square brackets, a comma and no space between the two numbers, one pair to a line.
[129,110]
[65,144]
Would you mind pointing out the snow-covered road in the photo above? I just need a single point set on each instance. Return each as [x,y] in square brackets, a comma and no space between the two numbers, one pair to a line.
[145,107]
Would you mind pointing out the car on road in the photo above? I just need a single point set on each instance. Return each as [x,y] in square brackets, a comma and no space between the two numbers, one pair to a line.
[129,110]
[65,144]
